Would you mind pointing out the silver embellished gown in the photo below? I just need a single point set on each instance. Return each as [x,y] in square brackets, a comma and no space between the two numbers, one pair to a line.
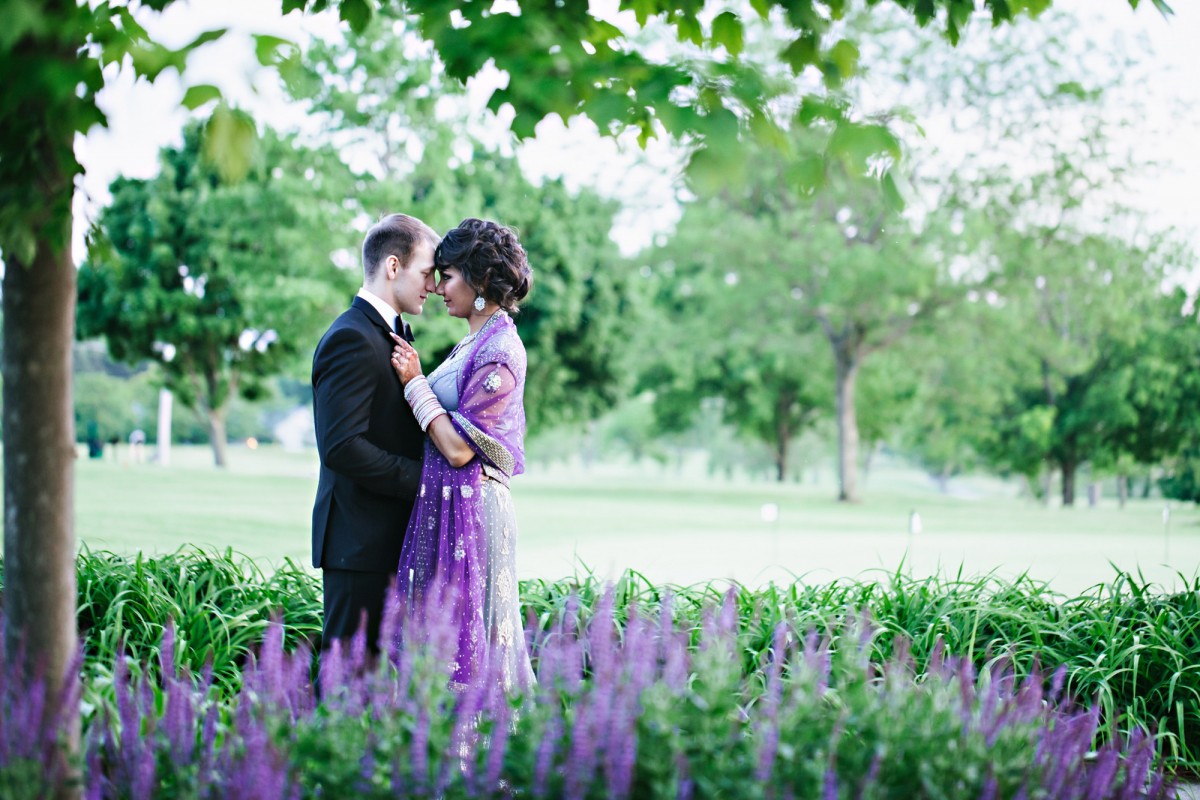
[501,605]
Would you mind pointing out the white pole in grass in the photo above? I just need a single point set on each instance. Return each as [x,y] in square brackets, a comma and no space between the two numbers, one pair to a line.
[1166,517]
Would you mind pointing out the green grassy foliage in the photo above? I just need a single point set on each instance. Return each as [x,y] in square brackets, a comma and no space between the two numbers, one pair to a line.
[1128,646]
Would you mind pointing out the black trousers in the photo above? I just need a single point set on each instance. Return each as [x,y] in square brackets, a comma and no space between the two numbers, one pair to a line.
[349,597]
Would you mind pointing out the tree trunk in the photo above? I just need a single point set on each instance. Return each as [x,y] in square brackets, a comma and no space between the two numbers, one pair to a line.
[782,436]
[216,435]
[1147,485]
[39,442]
[1068,483]
[166,402]
[1122,490]
[847,423]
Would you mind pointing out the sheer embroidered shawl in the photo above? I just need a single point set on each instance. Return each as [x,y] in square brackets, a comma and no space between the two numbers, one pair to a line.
[443,562]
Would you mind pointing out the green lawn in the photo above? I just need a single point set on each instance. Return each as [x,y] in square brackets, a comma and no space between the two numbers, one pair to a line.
[678,526]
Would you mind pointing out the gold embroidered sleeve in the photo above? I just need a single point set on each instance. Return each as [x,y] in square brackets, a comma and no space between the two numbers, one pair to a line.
[494,451]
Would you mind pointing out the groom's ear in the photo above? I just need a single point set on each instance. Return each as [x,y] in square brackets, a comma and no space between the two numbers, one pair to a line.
[391,265]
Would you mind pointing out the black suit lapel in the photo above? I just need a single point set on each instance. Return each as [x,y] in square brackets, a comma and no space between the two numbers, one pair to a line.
[372,314]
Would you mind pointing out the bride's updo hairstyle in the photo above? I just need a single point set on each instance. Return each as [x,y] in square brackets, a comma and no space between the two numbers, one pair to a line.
[490,259]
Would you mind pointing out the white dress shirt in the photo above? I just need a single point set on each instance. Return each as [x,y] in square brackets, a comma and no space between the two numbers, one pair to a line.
[387,312]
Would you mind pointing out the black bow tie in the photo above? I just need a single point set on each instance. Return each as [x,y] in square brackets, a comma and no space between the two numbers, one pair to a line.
[403,329]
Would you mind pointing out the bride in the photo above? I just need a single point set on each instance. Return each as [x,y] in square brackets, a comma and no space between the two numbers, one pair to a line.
[461,538]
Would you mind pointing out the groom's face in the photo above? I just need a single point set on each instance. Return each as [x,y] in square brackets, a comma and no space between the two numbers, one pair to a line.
[413,282]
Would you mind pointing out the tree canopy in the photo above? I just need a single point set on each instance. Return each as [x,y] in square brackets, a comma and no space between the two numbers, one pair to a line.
[219,283]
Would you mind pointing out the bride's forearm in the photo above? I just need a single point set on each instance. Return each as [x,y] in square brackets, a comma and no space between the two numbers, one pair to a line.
[449,441]
[433,420]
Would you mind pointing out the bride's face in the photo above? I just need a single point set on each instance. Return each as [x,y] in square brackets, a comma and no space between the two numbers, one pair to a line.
[455,292]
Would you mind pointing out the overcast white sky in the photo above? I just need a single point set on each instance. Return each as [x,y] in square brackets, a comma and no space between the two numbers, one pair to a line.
[143,117]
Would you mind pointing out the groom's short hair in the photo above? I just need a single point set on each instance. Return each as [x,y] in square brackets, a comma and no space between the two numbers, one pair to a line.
[395,235]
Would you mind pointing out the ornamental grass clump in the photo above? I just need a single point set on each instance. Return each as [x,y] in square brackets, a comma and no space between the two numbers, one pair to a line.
[650,708]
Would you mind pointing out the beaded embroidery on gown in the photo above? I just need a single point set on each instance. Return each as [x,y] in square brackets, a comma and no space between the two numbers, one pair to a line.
[461,538]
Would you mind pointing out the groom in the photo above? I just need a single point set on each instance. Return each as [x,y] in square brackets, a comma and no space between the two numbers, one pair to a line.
[369,442]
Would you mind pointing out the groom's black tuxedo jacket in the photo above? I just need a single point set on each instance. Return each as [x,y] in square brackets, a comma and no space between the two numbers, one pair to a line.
[370,446]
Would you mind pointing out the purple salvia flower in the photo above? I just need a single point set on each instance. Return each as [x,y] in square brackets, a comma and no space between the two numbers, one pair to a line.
[727,624]
[866,630]
[622,733]
[389,625]
[498,745]
[675,661]
[902,657]
[812,641]
[420,751]
[829,786]
[126,713]
[1056,684]
[989,702]
[1139,758]
[601,638]
[270,666]
[687,786]
[166,651]
[208,750]
[580,763]
[937,657]
[1029,698]
[1103,772]
[144,775]
[769,729]
[991,789]
[544,758]
[966,690]
[179,722]
[366,765]
[94,777]
[872,774]
[823,664]
[332,675]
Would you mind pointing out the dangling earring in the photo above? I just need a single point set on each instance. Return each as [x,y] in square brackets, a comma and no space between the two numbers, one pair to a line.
[479,302]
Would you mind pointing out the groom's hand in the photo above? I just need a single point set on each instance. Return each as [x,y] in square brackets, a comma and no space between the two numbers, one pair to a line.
[405,360]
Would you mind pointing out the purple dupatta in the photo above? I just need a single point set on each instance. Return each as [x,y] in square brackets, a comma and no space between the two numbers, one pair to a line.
[443,561]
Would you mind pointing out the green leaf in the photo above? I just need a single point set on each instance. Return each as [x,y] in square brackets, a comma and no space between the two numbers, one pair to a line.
[358,13]
[268,49]
[689,28]
[202,39]
[149,59]
[814,108]
[229,139]
[801,53]
[200,94]
[844,55]
[807,174]
[129,25]
[856,144]
[710,169]
[763,7]
[643,10]
[891,191]
[727,31]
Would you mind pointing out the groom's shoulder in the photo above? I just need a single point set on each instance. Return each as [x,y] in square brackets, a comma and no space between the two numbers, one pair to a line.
[350,325]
